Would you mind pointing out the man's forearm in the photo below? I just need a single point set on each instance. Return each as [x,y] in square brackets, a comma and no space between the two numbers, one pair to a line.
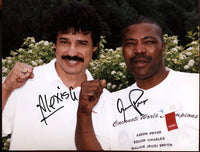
[85,137]
[5,95]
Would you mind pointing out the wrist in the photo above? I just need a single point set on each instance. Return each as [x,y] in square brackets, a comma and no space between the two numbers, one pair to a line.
[83,113]
[6,87]
[84,110]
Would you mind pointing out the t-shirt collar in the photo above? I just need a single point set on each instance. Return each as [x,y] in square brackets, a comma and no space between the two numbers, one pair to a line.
[164,82]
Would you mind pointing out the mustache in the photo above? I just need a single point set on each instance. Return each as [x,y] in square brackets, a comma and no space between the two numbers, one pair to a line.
[73,58]
[147,58]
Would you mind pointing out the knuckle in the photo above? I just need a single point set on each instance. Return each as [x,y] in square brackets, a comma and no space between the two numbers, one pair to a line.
[83,84]
[17,63]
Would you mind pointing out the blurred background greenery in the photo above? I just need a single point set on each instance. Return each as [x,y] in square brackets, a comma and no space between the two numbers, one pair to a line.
[24,18]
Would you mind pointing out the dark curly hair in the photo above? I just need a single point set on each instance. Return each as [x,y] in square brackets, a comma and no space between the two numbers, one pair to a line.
[78,16]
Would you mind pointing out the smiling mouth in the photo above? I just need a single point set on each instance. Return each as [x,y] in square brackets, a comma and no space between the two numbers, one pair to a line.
[73,59]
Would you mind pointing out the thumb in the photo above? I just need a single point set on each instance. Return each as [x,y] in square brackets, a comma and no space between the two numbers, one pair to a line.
[103,83]
[31,76]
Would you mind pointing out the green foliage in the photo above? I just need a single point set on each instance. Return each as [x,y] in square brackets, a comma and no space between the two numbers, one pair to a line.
[110,64]
[6,142]
[22,18]
[32,53]
[181,58]
[31,18]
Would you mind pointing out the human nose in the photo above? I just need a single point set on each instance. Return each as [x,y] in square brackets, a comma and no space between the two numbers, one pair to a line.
[72,50]
[139,49]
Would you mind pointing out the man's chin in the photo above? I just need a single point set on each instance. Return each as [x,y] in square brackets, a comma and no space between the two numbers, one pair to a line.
[141,76]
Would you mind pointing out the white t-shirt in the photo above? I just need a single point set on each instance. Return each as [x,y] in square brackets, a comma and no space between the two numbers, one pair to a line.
[165,117]
[41,115]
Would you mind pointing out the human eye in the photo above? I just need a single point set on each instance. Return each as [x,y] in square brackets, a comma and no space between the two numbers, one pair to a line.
[130,43]
[63,42]
[150,41]
[83,42]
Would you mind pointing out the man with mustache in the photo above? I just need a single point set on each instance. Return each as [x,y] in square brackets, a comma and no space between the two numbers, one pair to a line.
[158,112]
[41,112]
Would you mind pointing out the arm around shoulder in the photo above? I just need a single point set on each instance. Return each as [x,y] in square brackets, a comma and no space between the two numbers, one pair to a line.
[16,78]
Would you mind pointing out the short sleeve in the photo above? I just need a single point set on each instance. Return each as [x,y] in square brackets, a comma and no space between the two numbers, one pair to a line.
[8,114]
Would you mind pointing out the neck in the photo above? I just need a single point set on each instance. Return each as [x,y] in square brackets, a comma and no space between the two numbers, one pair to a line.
[74,80]
[152,81]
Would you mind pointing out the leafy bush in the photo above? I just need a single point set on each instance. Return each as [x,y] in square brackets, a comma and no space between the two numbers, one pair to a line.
[110,64]
[181,58]
[32,53]
[6,142]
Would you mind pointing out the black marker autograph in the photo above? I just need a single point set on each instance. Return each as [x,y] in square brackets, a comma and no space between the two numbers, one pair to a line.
[134,104]
[47,107]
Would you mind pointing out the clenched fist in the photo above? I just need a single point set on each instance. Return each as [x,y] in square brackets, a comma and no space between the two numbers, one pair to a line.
[90,94]
[18,76]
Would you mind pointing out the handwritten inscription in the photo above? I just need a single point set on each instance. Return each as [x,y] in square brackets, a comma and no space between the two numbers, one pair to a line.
[49,106]
[133,104]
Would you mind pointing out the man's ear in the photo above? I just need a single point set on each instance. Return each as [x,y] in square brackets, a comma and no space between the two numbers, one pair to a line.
[94,48]
[163,48]
[54,45]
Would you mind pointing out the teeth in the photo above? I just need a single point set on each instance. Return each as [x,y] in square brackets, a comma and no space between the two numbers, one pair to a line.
[72,61]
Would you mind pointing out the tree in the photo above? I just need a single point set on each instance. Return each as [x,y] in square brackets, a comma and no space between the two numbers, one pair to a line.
[23,18]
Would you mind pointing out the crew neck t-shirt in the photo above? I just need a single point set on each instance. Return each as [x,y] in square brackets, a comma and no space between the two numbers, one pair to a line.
[165,117]
[42,114]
